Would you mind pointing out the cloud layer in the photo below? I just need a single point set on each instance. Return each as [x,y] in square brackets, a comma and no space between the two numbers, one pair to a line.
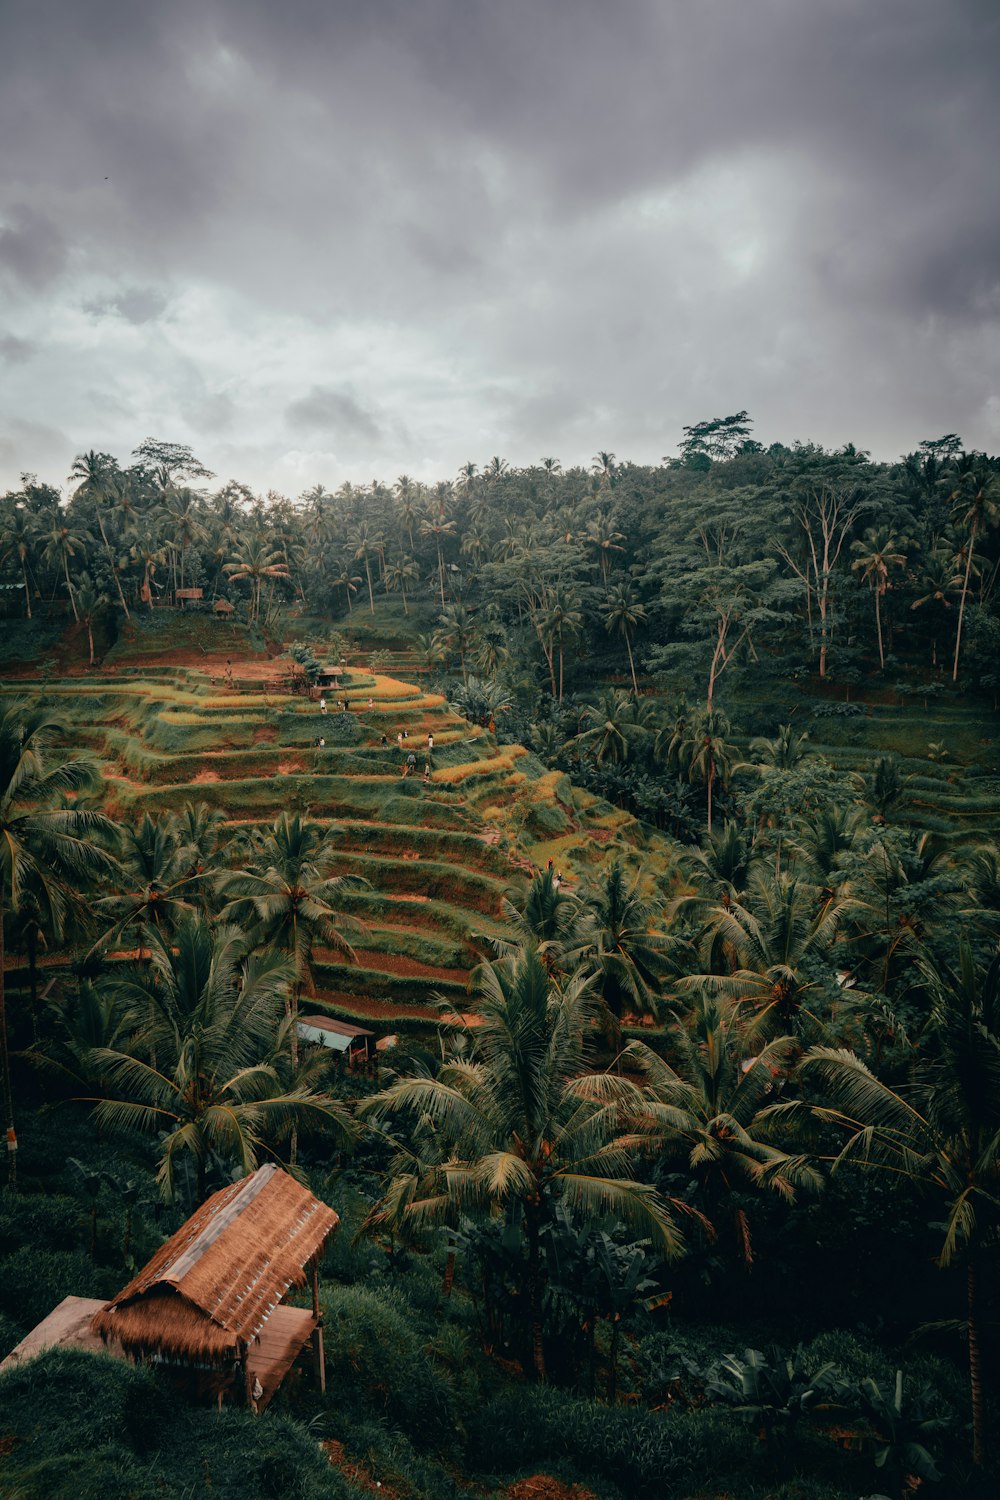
[324,241]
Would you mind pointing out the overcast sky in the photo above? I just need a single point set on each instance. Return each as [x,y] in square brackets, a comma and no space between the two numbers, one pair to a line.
[338,239]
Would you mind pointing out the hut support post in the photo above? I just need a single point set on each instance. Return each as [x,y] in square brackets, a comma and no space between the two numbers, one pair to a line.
[318,1334]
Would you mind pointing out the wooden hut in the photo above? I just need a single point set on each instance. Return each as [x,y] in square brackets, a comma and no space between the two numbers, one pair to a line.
[223,608]
[210,1298]
[184,597]
[342,1037]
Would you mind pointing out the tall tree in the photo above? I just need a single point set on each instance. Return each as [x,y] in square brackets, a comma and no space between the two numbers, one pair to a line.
[976,505]
[942,1131]
[876,555]
[523,1126]
[286,897]
[42,844]
[623,612]
[207,1017]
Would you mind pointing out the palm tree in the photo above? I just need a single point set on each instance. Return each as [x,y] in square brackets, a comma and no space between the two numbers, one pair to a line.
[875,557]
[455,632]
[406,502]
[42,845]
[364,542]
[782,753]
[939,582]
[157,881]
[616,941]
[398,574]
[182,521]
[976,500]
[347,581]
[255,561]
[601,536]
[522,1126]
[206,1016]
[620,726]
[700,749]
[542,916]
[88,602]
[623,613]
[18,538]
[943,1132]
[605,466]
[778,941]
[705,1108]
[96,473]
[64,541]
[564,620]
[438,525]
[287,894]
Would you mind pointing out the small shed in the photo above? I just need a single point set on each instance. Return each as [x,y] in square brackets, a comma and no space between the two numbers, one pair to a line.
[184,597]
[342,1037]
[211,1297]
[223,608]
[328,680]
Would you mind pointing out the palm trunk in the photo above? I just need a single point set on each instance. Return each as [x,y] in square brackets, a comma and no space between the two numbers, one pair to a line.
[613,1370]
[403,590]
[90,638]
[111,560]
[368,575]
[631,665]
[878,627]
[8,1094]
[449,1271]
[69,589]
[961,606]
[711,779]
[440,572]
[975,1370]
[535,1292]
[27,590]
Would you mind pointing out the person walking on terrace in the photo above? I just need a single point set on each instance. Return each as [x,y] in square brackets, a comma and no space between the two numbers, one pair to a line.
[322,705]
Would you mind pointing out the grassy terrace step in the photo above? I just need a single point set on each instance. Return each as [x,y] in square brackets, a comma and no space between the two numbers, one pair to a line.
[324,796]
[383,1016]
[417,910]
[476,892]
[383,984]
[268,758]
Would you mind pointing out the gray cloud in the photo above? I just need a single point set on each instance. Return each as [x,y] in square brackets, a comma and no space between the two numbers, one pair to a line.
[333,413]
[32,250]
[14,350]
[136,304]
[549,228]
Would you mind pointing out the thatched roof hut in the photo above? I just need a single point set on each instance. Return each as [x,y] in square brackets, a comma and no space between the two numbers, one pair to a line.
[207,1293]
[223,607]
[339,1035]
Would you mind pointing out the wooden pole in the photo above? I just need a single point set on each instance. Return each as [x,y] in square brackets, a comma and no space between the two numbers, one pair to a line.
[318,1334]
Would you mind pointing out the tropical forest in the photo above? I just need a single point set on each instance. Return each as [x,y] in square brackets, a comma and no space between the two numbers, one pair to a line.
[578,885]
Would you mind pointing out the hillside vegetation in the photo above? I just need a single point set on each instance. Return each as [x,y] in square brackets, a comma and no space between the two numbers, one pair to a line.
[680,1176]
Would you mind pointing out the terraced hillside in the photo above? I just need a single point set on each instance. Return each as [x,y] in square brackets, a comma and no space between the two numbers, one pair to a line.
[439,853]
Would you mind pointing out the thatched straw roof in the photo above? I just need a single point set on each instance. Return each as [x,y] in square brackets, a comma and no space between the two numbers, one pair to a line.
[213,1285]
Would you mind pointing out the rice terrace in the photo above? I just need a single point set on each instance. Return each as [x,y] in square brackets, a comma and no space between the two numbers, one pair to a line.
[500,793]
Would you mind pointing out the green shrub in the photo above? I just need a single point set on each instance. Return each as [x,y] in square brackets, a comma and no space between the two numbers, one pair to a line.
[34,1280]
[647,1454]
[89,1427]
[376,1363]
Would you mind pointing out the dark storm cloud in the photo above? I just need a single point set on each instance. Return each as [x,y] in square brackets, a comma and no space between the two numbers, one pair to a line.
[510,214]
[136,304]
[332,413]
[32,250]
[14,350]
